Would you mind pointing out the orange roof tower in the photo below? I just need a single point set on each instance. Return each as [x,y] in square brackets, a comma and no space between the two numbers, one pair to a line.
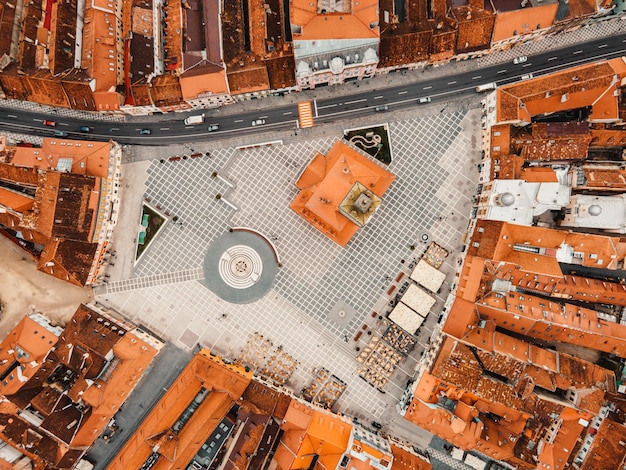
[340,192]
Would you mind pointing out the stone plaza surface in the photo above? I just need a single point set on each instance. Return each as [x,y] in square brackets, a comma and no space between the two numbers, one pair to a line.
[435,160]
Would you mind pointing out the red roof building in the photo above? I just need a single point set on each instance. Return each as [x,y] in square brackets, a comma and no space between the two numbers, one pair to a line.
[60,204]
[340,192]
[61,387]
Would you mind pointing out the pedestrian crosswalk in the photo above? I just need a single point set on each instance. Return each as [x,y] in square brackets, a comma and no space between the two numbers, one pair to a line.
[305,113]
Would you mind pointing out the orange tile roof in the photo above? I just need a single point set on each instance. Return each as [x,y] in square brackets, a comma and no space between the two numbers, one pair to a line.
[225,384]
[354,24]
[577,87]
[196,86]
[552,321]
[69,390]
[326,182]
[512,23]
[100,45]
[88,158]
[309,432]
[555,455]
[515,244]
[606,451]
[14,200]
[107,100]
[35,341]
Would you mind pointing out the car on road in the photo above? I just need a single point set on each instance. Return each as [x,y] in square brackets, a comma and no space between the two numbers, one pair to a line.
[84,129]
[214,127]
[486,87]
[60,134]
[258,122]
[425,99]
[377,425]
[145,132]
[520,60]
[49,123]
[527,76]
[381,107]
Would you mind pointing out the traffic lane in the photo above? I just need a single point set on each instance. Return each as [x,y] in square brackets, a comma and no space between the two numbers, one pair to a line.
[424,88]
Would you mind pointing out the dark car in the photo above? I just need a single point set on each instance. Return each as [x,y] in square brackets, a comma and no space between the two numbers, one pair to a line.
[84,129]
[377,425]
[60,134]
[145,132]
[49,123]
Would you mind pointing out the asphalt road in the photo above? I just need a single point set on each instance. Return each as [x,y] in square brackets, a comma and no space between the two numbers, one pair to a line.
[171,129]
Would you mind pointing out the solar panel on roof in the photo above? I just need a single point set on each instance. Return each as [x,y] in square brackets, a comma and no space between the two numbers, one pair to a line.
[65,164]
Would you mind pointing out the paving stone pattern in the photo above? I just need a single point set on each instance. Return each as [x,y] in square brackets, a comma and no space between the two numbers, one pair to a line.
[434,161]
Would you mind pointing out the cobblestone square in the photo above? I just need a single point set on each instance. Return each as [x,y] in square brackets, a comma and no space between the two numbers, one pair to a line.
[435,160]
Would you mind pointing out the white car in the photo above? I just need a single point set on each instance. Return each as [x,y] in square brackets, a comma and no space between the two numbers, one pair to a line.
[520,60]
[527,76]
[258,122]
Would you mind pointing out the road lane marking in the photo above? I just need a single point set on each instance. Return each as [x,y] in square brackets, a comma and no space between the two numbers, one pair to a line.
[577,52]
[501,71]
[477,77]
[327,106]
[403,92]
[315,108]
[528,64]
[601,46]
[165,128]
[12,116]
[451,83]
[263,117]
[288,112]
[238,120]
[427,87]
[356,101]
[378,97]
[552,58]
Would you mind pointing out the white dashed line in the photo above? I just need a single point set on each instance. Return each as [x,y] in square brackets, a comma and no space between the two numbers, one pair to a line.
[403,92]
[501,71]
[577,52]
[477,77]
[427,87]
[552,58]
[451,83]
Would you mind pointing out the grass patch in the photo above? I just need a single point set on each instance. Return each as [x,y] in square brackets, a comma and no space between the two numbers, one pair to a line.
[372,140]
[155,221]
